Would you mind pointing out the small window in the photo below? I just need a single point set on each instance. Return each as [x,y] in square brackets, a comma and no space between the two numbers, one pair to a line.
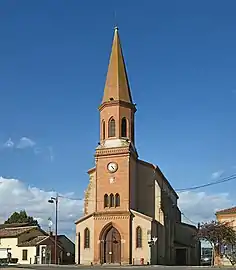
[111,128]
[132,130]
[86,238]
[24,255]
[117,200]
[138,237]
[103,130]
[124,127]
[112,200]
[106,201]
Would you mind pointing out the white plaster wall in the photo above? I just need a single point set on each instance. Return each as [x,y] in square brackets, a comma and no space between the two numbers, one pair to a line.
[86,254]
[30,255]
[16,251]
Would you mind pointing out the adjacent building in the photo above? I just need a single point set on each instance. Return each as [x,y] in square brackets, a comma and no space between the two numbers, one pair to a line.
[227,215]
[131,213]
[228,251]
[32,245]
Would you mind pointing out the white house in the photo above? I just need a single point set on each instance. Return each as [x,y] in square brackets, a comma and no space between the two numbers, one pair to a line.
[28,244]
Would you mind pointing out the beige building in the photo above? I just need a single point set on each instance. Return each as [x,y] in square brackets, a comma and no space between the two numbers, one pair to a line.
[28,244]
[226,216]
[130,212]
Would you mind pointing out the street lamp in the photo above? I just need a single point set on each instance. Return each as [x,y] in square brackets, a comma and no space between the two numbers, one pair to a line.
[151,243]
[52,200]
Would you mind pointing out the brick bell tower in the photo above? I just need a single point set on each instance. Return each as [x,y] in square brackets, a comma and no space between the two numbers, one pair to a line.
[116,159]
[116,148]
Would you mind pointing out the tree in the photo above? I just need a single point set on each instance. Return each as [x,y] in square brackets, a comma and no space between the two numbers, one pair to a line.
[21,217]
[217,234]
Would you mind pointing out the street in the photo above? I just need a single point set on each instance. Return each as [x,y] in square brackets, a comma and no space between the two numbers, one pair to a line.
[41,267]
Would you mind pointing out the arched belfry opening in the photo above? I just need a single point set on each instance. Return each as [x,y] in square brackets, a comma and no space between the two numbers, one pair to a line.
[112,128]
[124,127]
[110,245]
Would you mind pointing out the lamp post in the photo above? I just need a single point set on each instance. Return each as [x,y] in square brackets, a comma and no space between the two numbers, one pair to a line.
[52,200]
[151,243]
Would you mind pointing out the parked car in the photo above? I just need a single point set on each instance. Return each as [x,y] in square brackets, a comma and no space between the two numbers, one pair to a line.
[206,260]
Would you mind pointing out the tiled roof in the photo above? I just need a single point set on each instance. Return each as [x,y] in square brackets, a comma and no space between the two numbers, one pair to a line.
[14,225]
[33,242]
[14,232]
[40,240]
[231,210]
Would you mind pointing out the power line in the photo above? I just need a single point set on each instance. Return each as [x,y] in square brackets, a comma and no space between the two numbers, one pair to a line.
[188,219]
[220,181]
[223,180]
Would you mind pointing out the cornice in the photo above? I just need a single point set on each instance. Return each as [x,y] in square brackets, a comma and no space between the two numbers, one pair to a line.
[117,103]
[111,215]
[91,170]
[112,151]
[122,151]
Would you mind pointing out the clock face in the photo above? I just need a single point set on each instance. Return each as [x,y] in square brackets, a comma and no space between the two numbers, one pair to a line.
[112,167]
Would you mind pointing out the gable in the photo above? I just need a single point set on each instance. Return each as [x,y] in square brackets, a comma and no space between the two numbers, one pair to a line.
[140,215]
[67,244]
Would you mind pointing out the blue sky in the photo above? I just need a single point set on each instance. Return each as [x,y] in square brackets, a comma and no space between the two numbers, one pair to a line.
[181,63]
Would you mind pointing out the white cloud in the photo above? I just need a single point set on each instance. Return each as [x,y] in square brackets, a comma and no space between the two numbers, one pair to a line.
[25,143]
[16,196]
[200,206]
[9,143]
[217,174]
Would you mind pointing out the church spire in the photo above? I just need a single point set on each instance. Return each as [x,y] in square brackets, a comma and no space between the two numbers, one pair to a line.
[117,85]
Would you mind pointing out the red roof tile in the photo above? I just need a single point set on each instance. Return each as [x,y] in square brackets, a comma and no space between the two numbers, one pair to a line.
[231,210]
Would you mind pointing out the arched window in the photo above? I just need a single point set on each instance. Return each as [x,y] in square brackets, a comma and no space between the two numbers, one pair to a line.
[138,237]
[117,200]
[112,200]
[86,238]
[123,127]
[111,128]
[106,200]
[103,130]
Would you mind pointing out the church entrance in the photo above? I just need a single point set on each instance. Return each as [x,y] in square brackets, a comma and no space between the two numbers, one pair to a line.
[110,246]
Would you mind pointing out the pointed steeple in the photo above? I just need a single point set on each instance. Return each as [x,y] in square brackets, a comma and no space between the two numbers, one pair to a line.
[117,84]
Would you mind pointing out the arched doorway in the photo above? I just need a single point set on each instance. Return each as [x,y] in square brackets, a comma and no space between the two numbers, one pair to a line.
[110,246]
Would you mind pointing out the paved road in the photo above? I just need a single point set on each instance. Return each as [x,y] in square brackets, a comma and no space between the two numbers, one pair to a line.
[107,267]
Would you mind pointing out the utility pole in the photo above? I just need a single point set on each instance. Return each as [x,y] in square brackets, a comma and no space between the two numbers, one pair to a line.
[52,200]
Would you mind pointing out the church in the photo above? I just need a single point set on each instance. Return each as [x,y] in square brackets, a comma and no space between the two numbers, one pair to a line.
[131,214]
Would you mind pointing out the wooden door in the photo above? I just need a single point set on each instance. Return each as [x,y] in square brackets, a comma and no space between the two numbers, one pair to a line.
[112,246]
